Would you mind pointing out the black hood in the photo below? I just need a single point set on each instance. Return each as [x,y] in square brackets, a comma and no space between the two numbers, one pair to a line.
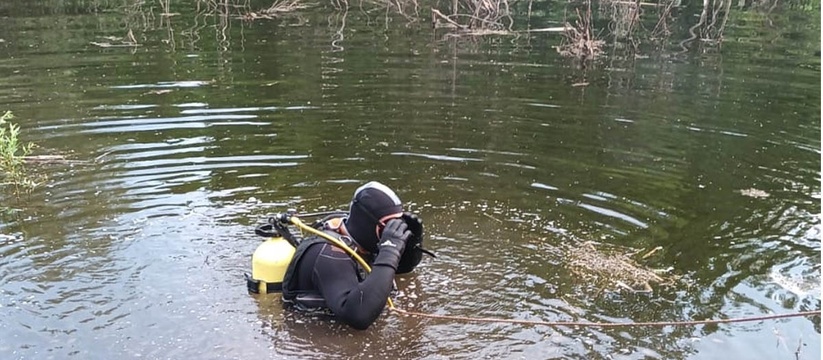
[370,203]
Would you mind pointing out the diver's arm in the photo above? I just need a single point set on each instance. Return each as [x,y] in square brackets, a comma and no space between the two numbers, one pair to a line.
[355,303]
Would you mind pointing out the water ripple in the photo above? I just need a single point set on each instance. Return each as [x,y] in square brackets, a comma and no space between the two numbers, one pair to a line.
[155,124]
[437,157]
[165,84]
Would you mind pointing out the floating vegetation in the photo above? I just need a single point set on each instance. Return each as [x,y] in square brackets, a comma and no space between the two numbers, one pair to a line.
[616,266]
[277,8]
[755,193]
[798,285]
[115,41]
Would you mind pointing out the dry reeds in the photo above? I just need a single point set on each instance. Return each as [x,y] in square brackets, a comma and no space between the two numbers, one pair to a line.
[661,29]
[711,24]
[409,9]
[284,6]
[579,39]
[475,16]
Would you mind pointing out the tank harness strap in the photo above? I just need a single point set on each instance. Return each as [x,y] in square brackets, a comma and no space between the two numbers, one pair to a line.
[289,292]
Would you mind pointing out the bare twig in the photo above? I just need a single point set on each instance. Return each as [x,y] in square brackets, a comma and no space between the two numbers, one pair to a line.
[492,217]
[445,18]
[652,252]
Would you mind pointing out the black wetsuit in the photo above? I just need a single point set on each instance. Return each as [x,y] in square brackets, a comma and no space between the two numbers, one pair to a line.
[334,275]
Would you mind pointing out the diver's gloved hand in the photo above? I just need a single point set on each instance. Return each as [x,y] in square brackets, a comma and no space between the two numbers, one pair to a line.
[392,243]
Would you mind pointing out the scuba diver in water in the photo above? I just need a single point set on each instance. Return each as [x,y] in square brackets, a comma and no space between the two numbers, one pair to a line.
[323,276]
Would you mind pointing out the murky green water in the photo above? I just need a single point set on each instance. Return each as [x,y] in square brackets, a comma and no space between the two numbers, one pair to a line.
[189,140]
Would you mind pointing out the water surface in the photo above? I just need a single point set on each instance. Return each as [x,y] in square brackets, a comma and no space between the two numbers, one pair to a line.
[190,140]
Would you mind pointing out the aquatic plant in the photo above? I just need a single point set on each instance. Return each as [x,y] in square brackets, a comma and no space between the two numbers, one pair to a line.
[12,157]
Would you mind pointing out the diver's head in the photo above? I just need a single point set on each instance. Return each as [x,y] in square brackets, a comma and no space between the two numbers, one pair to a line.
[371,207]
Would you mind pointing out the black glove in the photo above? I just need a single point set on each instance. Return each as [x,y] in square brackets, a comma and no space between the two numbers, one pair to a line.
[414,247]
[392,243]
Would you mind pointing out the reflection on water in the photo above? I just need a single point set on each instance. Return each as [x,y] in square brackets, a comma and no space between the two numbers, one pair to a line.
[197,135]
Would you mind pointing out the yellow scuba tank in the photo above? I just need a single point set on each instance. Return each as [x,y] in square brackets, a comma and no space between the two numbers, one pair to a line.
[269,263]
[271,259]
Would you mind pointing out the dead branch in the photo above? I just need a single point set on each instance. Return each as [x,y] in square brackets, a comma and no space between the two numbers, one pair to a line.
[438,14]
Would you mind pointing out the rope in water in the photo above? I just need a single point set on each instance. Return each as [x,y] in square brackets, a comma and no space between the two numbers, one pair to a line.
[608,324]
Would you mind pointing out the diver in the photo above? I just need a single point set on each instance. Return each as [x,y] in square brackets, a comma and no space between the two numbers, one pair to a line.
[322,276]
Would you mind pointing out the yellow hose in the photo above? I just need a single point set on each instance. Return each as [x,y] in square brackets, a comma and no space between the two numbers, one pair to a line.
[300,224]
